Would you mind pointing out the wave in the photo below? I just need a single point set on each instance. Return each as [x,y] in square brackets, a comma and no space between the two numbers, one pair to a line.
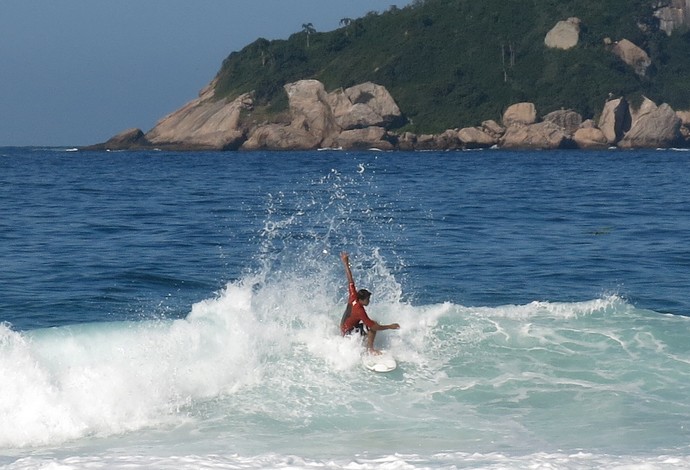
[266,350]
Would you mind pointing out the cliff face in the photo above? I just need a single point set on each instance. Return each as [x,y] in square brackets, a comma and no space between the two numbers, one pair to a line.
[355,117]
[204,123]
[360,117]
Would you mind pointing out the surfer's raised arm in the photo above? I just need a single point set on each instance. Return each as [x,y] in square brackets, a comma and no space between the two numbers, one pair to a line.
[355,317]
[346,261]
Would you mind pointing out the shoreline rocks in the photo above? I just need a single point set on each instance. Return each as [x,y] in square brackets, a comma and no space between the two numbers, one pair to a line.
[363,116]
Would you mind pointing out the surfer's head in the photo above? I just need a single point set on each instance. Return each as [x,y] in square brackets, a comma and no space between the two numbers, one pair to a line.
[363,296]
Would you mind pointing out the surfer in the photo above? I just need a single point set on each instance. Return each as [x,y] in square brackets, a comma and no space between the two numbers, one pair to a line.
[355,317]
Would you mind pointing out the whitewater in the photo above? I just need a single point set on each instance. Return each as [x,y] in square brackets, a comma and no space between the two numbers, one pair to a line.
[254,373]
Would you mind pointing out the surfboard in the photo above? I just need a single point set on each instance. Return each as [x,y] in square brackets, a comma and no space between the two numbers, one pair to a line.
[379,363]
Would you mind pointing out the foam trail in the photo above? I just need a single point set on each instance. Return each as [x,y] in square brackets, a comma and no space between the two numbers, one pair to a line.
[104,379]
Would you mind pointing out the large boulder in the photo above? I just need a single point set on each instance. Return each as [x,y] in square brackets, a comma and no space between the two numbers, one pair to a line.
[371,137]
[632,55]
[520,114]
[448,140]
[646,107]
[566,119]
[426,142]
[684,117]
[204,123]
[407,141]
[654,127]
[544,135]
[310,109]
[615,120]
[475,137]
[589,136]
[364,105]
[493,128]
[378,99]
[128,139]
[326,115]
[360,116]
[565,35]
[280,137]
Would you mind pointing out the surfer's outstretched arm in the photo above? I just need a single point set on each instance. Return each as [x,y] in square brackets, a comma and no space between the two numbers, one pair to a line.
[346,261]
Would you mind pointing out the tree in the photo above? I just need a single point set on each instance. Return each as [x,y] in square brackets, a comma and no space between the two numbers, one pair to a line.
[308,29]
[264,46]
[346,22]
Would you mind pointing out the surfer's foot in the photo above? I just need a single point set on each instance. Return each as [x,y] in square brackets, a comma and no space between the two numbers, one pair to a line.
[374,352]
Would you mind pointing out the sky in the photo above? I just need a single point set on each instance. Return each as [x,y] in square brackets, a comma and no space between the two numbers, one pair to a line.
[77,72]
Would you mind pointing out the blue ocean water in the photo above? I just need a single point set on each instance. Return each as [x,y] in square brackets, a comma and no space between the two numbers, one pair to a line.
[180,310]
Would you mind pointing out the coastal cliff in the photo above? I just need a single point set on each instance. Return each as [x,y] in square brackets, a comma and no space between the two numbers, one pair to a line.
[437,80]
[361,117]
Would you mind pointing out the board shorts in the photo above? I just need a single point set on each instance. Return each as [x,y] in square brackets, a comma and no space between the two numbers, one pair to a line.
[360,328]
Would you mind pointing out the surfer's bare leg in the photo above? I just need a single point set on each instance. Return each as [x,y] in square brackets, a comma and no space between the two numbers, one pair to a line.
[371,336]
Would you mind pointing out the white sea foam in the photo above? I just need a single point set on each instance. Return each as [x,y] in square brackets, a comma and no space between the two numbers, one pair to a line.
[449,460]
[261,368]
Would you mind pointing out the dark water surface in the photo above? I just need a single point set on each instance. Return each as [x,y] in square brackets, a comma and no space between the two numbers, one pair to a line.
[87,237]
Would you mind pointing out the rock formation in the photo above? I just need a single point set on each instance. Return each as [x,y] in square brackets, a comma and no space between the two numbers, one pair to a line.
[476,137]
[653,127]
[351,118]
[357,117]
[204,123]
[633,56]
[615,120]
[674,15]
[128,139]
[520,113]
[360,118]
[684,124]
[566,119]
[590,137]
[494,129]
[311,111]
[376,101]
[565,35]
[366,138]
[543,135]
[280,137]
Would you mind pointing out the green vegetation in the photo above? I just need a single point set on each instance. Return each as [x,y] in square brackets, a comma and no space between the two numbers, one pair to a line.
[454,63]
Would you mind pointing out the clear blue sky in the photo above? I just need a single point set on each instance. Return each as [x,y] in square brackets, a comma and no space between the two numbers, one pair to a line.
[77,72]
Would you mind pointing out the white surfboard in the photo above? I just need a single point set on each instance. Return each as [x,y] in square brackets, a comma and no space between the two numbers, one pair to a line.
[385,362]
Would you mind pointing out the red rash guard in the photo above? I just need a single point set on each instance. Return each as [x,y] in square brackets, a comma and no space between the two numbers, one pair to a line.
[354,313]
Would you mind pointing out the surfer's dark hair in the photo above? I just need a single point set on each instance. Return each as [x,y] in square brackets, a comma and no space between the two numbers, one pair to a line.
[363,294]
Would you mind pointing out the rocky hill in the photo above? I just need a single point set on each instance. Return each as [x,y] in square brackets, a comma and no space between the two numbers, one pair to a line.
[452,74]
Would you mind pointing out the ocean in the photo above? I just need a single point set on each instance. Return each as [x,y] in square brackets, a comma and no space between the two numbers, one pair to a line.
[164,310]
